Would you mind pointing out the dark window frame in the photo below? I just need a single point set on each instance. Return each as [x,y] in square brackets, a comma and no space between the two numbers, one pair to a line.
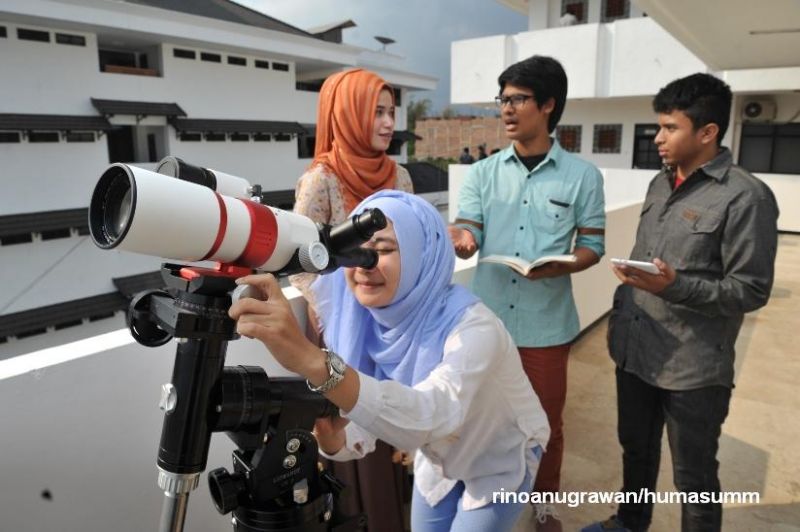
[262,137]
[282,137]
[183,53]
[210,57]
[80,136]
[70,39]
[3,32]
[601,134]
[260,63]
[236,60]
[621,10]
[27,34]
[213,136]
[240,137]
[280,67]
[563,131]
[6,136]
[190,136]
[773,132]
[35,137]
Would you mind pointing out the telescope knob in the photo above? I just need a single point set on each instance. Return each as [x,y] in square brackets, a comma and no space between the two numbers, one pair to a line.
[313,257]
[225,489]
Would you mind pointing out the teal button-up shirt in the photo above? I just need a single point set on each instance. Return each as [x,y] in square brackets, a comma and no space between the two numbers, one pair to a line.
[529,215]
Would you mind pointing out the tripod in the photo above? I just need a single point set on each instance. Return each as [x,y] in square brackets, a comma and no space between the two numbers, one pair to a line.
[276,484]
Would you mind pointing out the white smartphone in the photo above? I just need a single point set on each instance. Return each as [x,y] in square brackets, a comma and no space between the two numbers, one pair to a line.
[648,267]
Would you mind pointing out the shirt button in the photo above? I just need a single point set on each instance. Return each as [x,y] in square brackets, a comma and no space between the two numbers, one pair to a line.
[648,253]
[521,228]
[524,202]
[513,281]
[512,306]
[517,254]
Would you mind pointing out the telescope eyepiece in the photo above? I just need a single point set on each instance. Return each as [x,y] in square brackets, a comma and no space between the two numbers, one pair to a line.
[112,207]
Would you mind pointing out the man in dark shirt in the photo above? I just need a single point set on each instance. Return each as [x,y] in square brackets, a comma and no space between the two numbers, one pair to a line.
[711,228]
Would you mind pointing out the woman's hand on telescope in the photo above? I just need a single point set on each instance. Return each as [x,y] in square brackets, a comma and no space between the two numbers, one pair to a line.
[270,319]
[330,434]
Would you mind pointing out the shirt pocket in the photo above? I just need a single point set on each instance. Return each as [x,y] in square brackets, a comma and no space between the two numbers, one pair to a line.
[558,216]
[696,239]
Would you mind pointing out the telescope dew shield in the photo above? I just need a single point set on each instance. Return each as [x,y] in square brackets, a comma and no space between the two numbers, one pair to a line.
[137,210]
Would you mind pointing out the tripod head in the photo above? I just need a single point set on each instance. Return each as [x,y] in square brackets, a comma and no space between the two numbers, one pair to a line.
[275,483]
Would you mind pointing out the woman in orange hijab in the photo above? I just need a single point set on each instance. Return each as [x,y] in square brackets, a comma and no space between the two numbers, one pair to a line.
[355,123]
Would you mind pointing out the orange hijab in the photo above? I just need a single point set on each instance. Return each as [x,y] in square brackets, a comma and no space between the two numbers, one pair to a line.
[345,122]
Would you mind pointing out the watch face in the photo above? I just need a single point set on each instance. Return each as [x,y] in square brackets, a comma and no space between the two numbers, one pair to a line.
[337,364]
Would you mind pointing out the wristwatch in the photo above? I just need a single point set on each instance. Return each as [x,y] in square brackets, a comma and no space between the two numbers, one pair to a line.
[336,369]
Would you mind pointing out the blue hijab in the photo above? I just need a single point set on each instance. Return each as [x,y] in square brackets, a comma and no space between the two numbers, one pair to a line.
[404,340]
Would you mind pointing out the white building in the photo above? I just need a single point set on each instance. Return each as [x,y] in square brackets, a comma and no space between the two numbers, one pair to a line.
[89,82]
[618,54]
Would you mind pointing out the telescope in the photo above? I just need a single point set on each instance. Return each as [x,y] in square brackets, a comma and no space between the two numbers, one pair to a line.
[188,213]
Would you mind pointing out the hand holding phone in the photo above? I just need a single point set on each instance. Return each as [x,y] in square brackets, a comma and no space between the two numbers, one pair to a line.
[648,267]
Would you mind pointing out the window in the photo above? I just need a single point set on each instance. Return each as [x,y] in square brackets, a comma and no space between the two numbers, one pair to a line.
[10,240]
[233,60]
[83,136]
[212,58]
[215,137]
[282,137]
[569,137]
[189,137]
[616,9]
[74,40]
[3,31]
[240,137]
[56,233]
[577,8]
[283,67]
[309,86]
[43,136]
[305,146]
[395,147]
[397,99]
[262,64]
[607,138]
[67,324]
[770,148]
[9,136]
[98,317]
[33,35]
[262,137]
[184,54]
[645,151]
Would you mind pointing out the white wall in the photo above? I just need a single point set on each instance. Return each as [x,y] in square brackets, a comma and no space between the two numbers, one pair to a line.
[49,176]
[47,272]
[786,188]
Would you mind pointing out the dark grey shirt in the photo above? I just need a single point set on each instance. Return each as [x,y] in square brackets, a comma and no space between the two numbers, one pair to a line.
[719,231]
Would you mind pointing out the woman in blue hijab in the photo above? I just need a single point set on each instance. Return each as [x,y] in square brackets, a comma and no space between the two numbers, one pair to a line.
[418,362]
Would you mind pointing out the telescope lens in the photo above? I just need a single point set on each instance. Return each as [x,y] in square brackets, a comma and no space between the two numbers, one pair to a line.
[112,206]
[118,215]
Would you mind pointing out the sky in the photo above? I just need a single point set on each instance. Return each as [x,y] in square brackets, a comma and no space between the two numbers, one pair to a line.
[423,29]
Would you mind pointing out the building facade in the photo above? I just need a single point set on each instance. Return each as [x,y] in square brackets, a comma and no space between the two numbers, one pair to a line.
[617,58]
[87,83]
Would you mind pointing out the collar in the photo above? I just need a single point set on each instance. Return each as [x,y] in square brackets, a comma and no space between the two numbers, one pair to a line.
[555,154]
[717,168]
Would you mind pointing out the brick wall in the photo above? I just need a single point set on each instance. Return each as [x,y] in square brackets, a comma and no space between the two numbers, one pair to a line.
[448,137]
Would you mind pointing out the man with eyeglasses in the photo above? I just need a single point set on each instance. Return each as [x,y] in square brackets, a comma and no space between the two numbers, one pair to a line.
[529,201]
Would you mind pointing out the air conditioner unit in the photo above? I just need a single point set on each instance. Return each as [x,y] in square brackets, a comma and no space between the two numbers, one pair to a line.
[759,110]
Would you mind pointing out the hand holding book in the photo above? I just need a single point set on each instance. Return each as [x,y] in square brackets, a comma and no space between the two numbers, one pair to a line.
[524,267]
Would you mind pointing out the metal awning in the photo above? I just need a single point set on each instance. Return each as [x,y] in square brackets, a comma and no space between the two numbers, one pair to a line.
[124,107]
[200,125]
[36,222]
[30,122]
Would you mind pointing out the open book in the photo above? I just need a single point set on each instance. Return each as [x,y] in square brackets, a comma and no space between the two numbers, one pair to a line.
[522,266]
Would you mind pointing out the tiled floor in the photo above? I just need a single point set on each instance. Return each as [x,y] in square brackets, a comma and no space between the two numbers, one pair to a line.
[760,443]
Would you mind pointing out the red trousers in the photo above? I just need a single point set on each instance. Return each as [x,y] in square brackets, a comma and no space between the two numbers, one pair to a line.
[546,368]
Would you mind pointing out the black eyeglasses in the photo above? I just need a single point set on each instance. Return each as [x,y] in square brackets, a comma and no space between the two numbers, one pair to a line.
[516,100]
